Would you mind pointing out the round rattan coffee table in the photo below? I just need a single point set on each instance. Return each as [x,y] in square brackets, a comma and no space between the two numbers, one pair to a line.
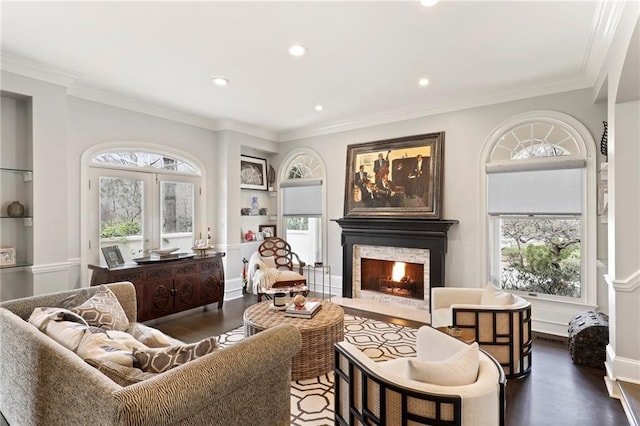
[318,335]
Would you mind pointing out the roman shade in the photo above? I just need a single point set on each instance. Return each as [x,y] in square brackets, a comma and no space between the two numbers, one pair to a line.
[302,197]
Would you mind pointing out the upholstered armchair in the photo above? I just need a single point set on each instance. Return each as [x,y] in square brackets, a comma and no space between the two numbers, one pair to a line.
[275,268]
[499,321]
[437,386]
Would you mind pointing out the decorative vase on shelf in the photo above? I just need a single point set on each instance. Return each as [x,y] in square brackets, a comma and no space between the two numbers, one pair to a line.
[254,206]
[15,209]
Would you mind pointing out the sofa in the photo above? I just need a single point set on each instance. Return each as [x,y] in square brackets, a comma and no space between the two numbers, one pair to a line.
[44,383]
[440,385]
[499,321]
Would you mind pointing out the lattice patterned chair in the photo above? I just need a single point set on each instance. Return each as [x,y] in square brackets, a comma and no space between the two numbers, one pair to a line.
[500,323]
[271,270]
[389,393]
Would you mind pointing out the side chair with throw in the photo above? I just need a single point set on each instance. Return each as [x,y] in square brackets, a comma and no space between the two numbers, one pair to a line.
[275,268]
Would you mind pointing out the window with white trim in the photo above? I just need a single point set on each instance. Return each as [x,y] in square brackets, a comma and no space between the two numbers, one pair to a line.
[536,174]
[140,201]
[301,189]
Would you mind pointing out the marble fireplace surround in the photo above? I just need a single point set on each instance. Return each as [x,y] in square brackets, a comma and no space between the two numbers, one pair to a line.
[410,238]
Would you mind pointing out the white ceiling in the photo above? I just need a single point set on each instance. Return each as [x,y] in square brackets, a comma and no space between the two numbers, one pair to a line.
[363,58]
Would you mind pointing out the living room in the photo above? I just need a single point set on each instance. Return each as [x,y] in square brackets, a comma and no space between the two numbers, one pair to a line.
[71,121]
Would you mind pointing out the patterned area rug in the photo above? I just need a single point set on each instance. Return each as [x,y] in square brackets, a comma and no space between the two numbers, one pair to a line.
[312,399]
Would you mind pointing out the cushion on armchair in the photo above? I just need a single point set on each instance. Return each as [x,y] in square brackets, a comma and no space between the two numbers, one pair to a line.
[103,310]
[494,296]
[159,360]
[459,369]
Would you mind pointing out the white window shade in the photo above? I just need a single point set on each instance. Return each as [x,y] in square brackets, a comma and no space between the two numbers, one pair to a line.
[301,198]
[536,192]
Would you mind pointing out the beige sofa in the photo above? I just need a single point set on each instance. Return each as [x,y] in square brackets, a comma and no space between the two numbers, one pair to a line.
[43,383]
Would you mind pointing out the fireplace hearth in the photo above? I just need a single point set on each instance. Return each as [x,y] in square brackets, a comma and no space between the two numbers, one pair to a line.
[388,237]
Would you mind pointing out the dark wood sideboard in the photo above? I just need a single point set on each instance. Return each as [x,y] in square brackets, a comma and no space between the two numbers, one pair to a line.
[164,288]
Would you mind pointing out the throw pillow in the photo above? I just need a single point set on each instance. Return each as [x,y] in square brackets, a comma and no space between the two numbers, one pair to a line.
[163,359]
[124,376]
[151,337]
[109,345]
[492,295]
[103,310]
[61,325]
[459,369]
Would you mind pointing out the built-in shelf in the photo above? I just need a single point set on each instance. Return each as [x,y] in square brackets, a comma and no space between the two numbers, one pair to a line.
[27,175]
[16,265]
[26,220]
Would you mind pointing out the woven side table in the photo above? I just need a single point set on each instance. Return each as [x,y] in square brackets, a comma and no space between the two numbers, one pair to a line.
[318,335]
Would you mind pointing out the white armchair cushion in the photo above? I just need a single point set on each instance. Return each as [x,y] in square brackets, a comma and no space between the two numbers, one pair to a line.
[494,296]
[459,369]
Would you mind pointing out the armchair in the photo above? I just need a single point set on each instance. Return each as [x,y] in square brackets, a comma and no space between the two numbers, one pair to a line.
[501,325]
[382,393]
[271,270]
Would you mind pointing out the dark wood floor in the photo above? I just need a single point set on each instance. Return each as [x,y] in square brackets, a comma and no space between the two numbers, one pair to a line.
[557,392]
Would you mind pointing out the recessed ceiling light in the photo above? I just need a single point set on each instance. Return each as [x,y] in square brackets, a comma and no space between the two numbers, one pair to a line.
[319,107]
[297,50]
[423,82]
[428,3]
[220,81]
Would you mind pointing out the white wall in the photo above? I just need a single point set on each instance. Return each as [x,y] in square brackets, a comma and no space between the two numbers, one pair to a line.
[465,134]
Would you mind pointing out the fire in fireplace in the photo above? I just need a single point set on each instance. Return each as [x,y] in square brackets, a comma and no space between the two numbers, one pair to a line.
[395,278]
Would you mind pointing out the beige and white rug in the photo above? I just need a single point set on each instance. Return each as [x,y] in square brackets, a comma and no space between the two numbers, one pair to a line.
[312,399]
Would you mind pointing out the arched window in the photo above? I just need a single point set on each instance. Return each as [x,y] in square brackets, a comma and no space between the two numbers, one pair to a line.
[140,200]
[539,207]
[301,188]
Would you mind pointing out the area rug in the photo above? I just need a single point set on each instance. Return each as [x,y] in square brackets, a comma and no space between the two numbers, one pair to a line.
[312,399]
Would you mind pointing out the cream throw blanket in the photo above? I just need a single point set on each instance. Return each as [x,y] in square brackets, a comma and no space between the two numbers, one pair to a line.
[263,274]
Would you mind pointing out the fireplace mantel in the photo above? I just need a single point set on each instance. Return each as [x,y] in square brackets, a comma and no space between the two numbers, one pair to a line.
[394,232]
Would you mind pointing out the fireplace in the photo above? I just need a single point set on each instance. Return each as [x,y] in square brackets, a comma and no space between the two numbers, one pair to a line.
[421,244]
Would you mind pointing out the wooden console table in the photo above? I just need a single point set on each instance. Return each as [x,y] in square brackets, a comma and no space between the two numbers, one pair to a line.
[172,286]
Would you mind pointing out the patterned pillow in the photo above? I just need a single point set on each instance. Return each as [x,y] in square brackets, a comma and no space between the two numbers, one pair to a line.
[61,325]
[124,376]
[159,360]
[103,310]
[152,337]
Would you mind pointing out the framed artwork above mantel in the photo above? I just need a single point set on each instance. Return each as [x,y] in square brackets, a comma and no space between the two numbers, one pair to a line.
[399,177]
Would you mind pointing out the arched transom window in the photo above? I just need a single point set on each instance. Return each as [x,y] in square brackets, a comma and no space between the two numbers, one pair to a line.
[301,187]
[538,205]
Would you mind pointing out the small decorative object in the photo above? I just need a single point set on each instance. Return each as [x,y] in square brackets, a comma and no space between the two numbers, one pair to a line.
[254,206]
[113,256]
[15,209]
[250,236]
[200,244]
[263,211]
[267,230]
[245,211]
[7,256]
[454,331]
[317,264]
[604,144]
[271,177]
[299,301]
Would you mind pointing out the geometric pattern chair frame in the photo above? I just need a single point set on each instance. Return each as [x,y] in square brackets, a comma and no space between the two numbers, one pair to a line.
[364,397]
[503,333]
[284,257]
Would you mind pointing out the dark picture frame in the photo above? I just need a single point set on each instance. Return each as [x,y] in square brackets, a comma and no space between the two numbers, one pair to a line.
[253,173]
[112,256]
[267,230]
[406,183]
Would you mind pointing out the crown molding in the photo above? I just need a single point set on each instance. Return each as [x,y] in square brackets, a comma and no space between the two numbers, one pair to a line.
[244,128]
[605,21]
[118,101]
[576,83]
[38,70]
